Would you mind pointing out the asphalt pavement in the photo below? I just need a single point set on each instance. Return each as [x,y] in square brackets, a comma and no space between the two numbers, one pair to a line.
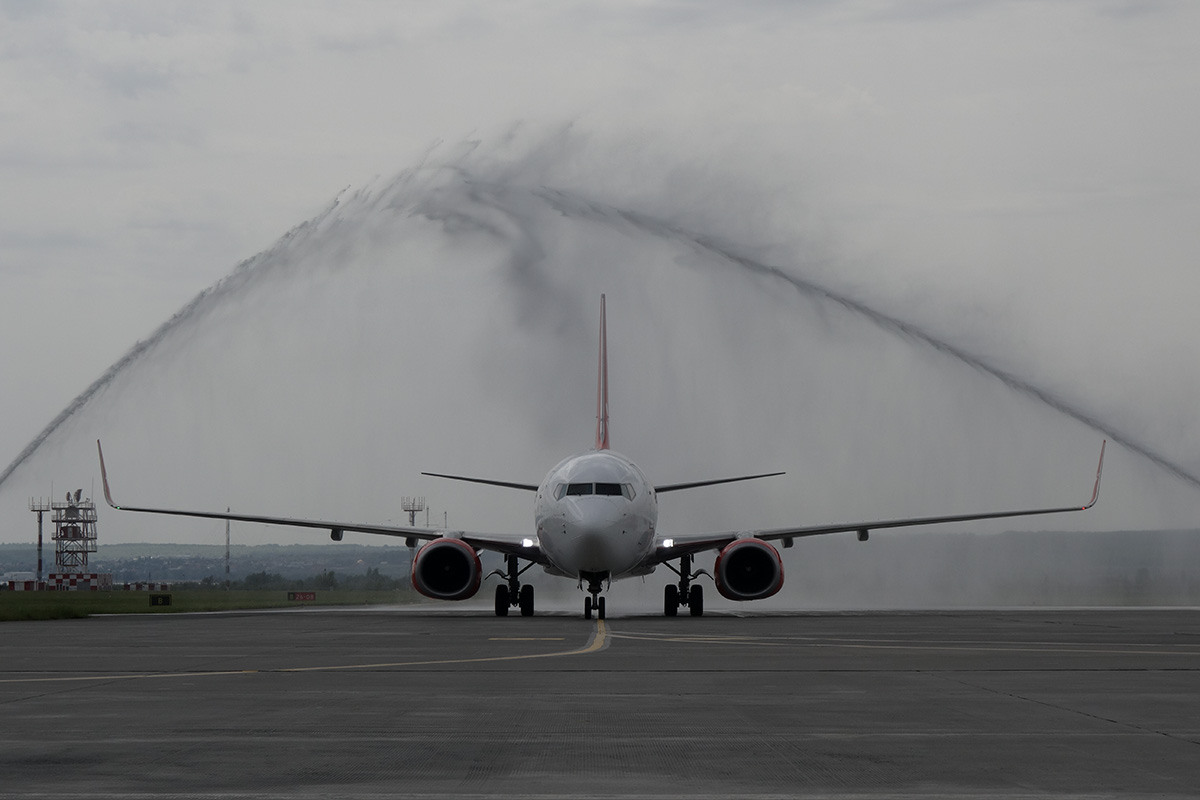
[438,700]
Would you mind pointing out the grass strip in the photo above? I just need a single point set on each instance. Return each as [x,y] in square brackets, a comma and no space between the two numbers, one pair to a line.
[16,606]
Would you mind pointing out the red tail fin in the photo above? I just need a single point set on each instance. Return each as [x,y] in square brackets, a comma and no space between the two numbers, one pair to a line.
[602,386]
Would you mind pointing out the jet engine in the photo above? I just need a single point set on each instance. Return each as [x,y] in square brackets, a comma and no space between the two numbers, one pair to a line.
[748,569]
[447,569]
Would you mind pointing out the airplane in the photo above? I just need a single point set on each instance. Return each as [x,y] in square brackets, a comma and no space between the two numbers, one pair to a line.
[595,521]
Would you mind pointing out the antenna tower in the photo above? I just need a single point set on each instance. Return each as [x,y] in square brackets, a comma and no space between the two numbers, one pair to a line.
[412,505]
[74,532]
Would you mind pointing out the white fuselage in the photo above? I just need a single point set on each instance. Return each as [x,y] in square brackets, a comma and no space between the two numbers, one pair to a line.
[596,513]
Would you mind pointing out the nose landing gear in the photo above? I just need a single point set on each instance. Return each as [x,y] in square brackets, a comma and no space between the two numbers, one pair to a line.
[513,594]
[684,594]
[595,601]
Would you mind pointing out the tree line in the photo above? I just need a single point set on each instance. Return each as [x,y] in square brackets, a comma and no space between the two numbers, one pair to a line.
[328,580]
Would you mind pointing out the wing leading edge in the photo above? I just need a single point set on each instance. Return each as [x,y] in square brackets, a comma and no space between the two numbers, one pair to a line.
[508,544]
[692,543]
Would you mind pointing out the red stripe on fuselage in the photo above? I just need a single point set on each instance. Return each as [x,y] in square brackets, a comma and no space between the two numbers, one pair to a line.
[602,386]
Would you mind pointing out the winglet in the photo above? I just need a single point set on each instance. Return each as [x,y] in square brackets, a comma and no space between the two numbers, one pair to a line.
[104,477]
[1099,471]
[602,386]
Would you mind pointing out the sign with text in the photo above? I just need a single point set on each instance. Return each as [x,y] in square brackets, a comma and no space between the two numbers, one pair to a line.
[160,599]
[302,596]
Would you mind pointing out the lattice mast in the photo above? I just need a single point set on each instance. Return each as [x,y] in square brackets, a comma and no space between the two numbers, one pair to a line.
[74,532]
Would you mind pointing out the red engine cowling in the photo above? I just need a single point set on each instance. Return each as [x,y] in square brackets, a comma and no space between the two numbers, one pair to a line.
[447,569]
[748,569]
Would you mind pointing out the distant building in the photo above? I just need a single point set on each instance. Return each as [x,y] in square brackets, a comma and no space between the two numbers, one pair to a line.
[18,581]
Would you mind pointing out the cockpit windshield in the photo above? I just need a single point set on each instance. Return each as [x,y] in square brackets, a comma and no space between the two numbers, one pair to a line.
[609,489]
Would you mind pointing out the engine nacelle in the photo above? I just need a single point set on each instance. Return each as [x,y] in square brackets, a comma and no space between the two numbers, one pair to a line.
[447,569]
[748,569]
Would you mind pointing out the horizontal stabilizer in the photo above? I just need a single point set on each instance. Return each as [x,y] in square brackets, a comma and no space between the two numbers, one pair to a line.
[675,487]
[529,487]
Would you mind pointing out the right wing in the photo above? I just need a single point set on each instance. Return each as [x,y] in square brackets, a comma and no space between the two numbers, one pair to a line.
[523,546]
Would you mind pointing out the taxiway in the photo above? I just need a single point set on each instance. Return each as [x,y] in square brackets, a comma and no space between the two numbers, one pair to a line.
[440,701]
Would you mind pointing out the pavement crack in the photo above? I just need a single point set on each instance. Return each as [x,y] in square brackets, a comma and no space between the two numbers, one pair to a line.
[1067,709]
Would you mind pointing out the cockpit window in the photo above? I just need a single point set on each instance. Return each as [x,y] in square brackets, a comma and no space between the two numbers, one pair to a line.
[606,489]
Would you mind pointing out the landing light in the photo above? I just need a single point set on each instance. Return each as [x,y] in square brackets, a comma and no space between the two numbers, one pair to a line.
[527,543]
[668,542]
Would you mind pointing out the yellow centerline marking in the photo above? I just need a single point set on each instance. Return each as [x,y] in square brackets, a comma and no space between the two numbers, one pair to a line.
[598,642]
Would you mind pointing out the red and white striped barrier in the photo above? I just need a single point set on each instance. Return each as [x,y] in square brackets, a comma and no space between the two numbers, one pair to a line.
[78,581]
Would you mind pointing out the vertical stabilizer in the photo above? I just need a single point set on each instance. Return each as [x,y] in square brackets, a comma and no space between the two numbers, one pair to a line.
[602,386]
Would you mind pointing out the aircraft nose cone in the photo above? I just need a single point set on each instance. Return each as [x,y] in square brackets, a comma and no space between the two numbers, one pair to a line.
[593,552]
[592,531]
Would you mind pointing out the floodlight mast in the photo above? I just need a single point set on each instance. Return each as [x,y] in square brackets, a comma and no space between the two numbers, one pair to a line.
[227,509]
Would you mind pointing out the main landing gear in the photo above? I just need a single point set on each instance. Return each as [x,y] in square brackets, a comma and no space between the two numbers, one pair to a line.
[595,601]
[685,593]
[512,594]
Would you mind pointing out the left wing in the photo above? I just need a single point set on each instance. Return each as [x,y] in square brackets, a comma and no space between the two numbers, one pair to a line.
[675,546]
[524,547]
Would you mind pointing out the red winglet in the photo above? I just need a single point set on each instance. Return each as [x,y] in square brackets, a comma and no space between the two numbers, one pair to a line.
[1099,471]
[602,386]
[104,476]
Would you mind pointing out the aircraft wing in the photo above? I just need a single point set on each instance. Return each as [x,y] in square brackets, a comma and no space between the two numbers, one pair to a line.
[525,547]
[671,547]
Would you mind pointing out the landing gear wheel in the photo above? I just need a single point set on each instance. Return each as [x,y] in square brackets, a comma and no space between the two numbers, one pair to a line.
[587,608]
[599,608]
[527,601]
[502,601]
[670,600]
[696,601]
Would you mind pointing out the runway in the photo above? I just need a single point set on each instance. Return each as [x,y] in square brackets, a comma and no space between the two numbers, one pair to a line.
[441,701]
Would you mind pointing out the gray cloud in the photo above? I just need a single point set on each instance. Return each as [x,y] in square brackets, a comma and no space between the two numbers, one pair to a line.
[1027,197]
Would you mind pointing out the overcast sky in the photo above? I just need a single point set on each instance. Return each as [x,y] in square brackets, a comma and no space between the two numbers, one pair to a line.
[1017,178]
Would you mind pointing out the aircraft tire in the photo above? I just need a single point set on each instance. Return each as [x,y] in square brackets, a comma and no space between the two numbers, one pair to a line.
[502,601]
[670,600]
[696,601]
[587,608]
[527,600]
[599,608]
